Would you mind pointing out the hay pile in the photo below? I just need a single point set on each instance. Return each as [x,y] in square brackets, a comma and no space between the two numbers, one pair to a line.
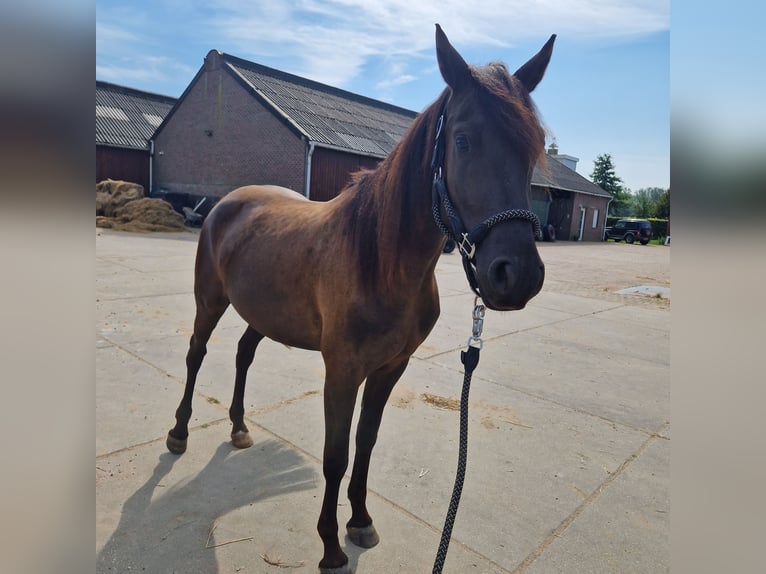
[121,205]
[111,195]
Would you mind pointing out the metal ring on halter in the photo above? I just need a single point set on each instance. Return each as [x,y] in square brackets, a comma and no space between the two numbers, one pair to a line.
[467,247]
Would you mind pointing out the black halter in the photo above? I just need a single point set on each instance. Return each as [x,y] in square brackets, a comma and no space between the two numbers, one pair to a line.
[453,228]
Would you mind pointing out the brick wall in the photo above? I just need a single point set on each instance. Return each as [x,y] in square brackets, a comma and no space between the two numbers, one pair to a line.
[590,203]
[220,138]
[565,213]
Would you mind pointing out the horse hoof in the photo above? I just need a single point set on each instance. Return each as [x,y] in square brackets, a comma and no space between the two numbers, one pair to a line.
[241,439]
[343,568]
[364,536]
[175,445]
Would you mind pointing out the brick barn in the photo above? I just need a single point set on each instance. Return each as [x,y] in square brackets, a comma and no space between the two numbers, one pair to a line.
[240,123]
[574,206]
[125,121]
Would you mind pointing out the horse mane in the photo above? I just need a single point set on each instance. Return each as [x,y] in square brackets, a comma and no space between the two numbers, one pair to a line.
[384,204]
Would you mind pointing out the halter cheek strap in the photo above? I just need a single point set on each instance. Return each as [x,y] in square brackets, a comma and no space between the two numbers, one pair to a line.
[453,228]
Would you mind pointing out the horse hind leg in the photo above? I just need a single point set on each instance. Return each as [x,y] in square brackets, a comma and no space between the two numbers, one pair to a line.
[206,319]
[240,434]
[377,389]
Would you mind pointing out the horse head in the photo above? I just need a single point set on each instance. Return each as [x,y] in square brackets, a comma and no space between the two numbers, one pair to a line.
[488,144]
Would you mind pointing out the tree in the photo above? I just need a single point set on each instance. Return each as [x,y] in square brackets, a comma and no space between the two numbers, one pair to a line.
[605,177]
[662,207]
[642,204]
[645,201]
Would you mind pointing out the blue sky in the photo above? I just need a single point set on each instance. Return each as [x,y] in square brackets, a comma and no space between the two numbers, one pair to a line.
[607,89]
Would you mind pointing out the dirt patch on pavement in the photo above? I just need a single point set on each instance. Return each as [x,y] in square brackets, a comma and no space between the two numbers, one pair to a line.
[447,403]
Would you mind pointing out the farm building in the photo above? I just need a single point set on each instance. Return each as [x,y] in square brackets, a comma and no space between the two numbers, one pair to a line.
[125,121]
[574,206]
[239,123]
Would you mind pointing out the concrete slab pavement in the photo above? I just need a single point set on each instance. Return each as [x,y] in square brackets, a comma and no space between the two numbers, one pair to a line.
[568,466]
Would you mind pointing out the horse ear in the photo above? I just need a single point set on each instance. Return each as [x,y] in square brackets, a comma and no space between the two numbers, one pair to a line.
[533,71]
[453,68]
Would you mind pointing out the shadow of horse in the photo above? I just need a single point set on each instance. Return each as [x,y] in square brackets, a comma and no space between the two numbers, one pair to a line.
[169,529]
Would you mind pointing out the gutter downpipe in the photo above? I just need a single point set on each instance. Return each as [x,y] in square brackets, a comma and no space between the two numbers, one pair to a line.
[151,159]
[309,153]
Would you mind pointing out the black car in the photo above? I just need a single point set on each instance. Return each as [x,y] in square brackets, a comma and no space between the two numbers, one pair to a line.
[630,230]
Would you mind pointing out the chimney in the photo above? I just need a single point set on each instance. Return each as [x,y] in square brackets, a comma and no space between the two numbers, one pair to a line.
[567,160]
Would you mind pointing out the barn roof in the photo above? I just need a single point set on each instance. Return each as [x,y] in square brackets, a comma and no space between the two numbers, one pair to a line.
[326,115]
[126,117]
[556,175]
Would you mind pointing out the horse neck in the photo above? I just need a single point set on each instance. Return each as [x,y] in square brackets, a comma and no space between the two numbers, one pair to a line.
[393,233]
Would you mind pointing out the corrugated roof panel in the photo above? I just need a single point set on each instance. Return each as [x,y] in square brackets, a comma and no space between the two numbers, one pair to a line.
[126,117]
[328,115]
[555,174]
[152,119]
[111,113]
[364,144]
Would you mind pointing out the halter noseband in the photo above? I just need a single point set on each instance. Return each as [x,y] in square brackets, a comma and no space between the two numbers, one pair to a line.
[453,228]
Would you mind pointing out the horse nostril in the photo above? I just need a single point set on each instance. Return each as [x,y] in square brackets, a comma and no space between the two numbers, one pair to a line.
[501,275]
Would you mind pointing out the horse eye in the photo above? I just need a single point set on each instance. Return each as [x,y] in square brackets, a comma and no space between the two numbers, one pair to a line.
[461,142]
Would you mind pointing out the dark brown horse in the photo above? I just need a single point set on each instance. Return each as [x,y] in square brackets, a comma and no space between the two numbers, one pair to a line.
[354,277]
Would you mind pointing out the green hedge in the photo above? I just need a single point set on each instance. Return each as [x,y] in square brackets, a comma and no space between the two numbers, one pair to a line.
[659,226]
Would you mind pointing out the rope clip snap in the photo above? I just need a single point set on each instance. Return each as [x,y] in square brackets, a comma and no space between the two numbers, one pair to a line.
[475,339]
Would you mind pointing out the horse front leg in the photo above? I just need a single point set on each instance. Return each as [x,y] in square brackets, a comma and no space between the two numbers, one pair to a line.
[240,434]
[377,389]
[339,399]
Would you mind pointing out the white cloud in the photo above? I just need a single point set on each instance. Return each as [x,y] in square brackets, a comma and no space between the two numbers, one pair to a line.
[333,40]
[108,34]
[330,40]
[143,69]
[396,81]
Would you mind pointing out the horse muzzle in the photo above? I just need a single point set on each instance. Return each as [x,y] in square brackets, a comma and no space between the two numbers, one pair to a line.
[507,283]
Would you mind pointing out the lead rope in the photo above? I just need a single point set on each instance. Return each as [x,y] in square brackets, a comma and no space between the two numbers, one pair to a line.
[469,358]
